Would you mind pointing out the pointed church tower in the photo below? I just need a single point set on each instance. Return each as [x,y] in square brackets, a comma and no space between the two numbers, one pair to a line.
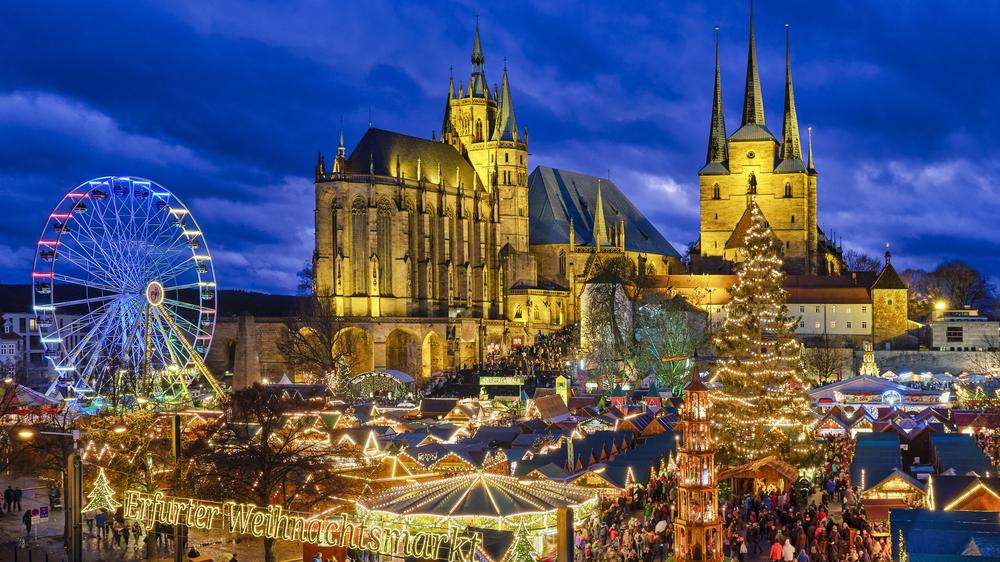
[716,162]
[791,144]
[511,169]
[338,163]
[478,87]
[600,225]
[753,102]
[506,124]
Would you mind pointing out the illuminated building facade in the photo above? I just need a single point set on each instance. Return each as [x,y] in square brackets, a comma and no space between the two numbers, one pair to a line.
[752,161]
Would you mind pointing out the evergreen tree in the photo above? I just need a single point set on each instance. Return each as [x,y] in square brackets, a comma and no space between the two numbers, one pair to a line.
[762,406]
[521,550]
[102,496]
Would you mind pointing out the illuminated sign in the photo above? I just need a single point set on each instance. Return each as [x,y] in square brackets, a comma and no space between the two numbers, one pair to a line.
[273,522]
[501,381]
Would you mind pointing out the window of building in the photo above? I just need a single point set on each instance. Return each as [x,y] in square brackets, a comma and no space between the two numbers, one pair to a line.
[848,310]
[817,309]
[716,216]
[953,334]
[788,191]
[889,302]
[848,324]
[864,325]
[793,219]
[817,324]
[802,323]
[864,309]
[833,309]
[716,193]
[833,323]
[802,309]
[506,157]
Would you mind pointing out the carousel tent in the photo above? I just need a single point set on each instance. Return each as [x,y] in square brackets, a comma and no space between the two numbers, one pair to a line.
[19,399]
[479,495]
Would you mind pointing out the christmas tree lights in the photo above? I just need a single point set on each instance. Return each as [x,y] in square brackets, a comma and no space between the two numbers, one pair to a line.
[102,496]
[762,407]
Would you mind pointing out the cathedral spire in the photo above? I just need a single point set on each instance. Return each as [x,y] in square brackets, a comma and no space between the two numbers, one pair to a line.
[809,164]
[718,151]
[791,143]
[753,103]
[478,87]
[506,125]
[446,125]
[600,226]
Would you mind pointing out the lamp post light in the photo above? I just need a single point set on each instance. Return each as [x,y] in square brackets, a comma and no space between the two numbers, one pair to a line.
[72,484]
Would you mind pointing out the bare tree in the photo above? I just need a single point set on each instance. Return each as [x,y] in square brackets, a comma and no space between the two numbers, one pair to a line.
[314,346]
[824,359]
[962,285]
[260,452]
[857,260]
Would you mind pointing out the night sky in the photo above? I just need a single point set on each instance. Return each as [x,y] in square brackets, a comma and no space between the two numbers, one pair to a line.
[226,103]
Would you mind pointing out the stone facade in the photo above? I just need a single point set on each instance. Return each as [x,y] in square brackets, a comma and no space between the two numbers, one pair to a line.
[753,163]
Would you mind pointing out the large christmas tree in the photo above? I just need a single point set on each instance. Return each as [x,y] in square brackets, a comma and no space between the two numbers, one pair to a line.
[762,407]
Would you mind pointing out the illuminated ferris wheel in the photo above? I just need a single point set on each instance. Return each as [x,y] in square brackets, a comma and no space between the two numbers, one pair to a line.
[124,293]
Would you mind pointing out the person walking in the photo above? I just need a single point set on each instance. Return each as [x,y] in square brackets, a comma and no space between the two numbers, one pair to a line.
[788,551]
[100,520]
[8,498]
[17,499]
[27,522]
[777,552]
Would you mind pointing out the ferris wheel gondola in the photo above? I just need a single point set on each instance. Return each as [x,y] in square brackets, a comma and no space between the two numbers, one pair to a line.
[124,293]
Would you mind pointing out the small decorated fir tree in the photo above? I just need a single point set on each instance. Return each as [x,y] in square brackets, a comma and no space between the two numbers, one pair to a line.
[521,550]
[102,496]
[762,407]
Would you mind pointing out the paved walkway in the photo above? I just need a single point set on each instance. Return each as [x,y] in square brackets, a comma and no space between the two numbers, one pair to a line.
[47,538]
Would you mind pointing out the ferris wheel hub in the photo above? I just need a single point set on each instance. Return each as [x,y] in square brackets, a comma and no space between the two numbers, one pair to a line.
[154,293]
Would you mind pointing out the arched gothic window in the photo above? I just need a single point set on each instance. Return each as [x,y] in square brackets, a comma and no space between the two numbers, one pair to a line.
[359,245]
[385,246]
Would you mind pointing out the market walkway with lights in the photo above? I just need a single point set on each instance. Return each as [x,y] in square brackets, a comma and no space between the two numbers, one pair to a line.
[46,538]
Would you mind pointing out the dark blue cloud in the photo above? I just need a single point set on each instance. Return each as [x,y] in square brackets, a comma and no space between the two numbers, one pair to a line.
[227,102]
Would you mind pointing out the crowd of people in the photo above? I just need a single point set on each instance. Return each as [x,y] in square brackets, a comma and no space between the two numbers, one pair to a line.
[989,442]
[538,362]
[634,526]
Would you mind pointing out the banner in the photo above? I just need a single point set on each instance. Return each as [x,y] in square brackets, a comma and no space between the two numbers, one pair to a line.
[273,522]
[501,381]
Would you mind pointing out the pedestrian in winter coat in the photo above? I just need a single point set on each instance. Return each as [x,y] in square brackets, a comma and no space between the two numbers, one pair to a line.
[27,522]
[788,551]
[776,552]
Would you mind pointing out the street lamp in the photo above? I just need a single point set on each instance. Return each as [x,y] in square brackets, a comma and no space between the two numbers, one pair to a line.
[72,484]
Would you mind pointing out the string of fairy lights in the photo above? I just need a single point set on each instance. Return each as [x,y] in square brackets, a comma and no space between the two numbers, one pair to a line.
[762,405]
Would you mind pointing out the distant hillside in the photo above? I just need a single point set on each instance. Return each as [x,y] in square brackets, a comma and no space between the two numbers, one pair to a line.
[17,298]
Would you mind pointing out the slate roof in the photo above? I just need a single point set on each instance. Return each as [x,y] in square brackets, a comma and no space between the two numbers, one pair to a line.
[878,455]
[889,279]
[380,148]
[941,535]
[752,132]
[946,489]
[960,452]
[555,196]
